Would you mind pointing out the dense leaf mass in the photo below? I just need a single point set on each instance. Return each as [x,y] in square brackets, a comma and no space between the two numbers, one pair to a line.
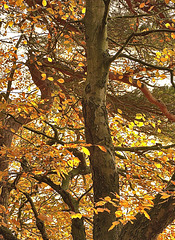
[87,119]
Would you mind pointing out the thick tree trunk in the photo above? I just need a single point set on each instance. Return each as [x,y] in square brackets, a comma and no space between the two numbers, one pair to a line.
[161,215]
[78,229]
[104,174]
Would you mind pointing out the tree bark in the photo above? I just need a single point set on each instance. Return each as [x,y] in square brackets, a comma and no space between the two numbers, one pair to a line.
[104,173]
[161,215]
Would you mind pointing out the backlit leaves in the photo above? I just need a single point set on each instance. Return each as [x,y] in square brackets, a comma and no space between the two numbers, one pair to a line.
[85,150]
[44,3]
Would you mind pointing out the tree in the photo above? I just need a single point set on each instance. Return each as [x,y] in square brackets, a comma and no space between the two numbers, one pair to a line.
[82,155]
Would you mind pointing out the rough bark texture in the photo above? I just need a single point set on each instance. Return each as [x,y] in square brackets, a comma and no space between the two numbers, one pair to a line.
[78,229]
[162,214]
[104,174]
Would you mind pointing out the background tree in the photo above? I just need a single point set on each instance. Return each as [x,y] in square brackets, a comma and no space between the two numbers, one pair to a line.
[86,139]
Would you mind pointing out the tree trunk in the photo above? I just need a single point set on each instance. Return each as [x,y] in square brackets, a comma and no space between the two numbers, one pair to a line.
[161,215]
[104,174]
[78,229]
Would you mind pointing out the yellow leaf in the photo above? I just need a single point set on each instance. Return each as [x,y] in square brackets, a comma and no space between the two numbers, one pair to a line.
[76,161]
[146,215]
[139,116]
[173,35]
[140,124]
[119,111]
[6,6]
[102,148]
[158,165]
[130,79]
[77,215]
[81,64]
[118,214]
[117,196]
[153,124]
[25,42]
[44,3]
[83,10]
[159,130]
[70,163]
[50,78]
[43,76]
[49,59]
[167,25]
[86,151]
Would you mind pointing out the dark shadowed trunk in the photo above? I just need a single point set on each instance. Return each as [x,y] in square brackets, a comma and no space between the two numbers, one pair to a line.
[105,176]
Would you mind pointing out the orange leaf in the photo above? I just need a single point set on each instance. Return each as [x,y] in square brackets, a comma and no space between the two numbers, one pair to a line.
[81,64]
[107,199]
[146,215]
[142,5]
[102,148]
[165,195]
[44,218]
[139,84]
[113,225]
[60,80]
[2,208]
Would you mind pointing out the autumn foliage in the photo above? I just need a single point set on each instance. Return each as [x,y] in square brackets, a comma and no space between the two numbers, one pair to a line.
[87,119]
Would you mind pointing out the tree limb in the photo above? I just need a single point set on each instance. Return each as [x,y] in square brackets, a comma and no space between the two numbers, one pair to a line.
[39,223]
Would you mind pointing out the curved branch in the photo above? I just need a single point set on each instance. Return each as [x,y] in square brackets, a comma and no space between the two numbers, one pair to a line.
[146,92]
[39,223]
[161,215]
[7,234]
[78,229]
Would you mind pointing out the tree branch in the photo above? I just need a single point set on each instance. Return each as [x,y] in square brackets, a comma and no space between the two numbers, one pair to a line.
[144,148]
[161,215]
[7,234]
[146,92]
[39,223]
